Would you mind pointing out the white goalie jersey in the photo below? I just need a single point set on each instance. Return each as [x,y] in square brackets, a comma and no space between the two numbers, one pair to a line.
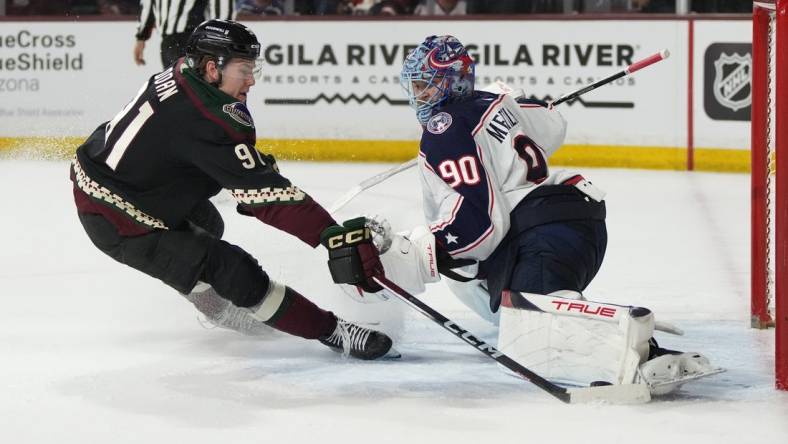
[478,159]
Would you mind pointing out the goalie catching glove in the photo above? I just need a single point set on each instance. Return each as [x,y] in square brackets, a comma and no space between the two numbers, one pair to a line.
[352,257]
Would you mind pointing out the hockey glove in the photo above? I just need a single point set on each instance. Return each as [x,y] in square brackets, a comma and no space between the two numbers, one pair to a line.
[352,258]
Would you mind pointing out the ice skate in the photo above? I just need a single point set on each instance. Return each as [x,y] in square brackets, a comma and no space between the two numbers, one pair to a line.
[359,342]
[220,312]
[667,372]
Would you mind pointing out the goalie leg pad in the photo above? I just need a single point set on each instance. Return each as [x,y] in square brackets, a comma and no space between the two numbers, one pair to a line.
[575,341]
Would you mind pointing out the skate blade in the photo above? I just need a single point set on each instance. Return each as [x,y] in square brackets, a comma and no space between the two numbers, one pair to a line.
[664,388]
[392,354]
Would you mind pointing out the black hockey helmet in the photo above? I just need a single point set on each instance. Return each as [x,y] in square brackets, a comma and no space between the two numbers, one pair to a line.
[224,40]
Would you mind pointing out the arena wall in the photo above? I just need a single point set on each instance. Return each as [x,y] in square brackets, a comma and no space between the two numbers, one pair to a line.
[329,90]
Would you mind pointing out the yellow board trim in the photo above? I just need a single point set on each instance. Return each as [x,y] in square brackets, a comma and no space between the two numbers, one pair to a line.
[716,159]
[611,156]
[341,150]
[40,147]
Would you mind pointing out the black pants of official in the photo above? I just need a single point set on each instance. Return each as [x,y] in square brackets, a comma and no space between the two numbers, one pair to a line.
[173,46]
[181,256]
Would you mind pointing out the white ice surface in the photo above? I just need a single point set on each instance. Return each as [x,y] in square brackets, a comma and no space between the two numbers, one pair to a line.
[94,352]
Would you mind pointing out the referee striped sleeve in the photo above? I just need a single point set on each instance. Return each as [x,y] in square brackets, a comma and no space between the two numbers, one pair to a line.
[222,9]
[179,16]
[145,26]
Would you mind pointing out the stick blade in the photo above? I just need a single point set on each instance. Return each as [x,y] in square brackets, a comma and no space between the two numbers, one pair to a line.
[611,394]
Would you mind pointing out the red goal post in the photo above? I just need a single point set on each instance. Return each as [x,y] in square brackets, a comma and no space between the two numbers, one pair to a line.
[769,131]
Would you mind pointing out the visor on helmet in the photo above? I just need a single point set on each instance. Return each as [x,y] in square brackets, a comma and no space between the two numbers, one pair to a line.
[242,68]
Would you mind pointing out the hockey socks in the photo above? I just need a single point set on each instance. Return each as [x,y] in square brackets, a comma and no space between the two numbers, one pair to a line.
[286,310]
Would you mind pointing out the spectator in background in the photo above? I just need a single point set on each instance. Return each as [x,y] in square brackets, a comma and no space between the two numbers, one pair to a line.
[48,7]
[393,7]
[654,6]
[521,7]
[260,7]
[605,6]
[325,7]
[118,7]
[32,7]
[442,7]
[721,6]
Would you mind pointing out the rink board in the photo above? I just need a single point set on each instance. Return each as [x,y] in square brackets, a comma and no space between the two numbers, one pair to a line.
[330,91]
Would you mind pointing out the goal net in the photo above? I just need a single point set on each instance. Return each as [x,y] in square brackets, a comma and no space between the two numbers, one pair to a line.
[769,306]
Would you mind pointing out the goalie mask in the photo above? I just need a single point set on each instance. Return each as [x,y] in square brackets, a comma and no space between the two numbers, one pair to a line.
[437,72]
[222,41]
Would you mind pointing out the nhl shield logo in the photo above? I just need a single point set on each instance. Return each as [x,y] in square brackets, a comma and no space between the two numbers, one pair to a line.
[732,74]
[439,123]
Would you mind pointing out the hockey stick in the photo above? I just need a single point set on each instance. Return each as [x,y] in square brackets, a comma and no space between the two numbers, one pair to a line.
[374,180]
[637,66]
[619,394]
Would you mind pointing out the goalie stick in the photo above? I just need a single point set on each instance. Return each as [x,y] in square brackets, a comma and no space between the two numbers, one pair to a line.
[619,394]
[637,66]
[374,180]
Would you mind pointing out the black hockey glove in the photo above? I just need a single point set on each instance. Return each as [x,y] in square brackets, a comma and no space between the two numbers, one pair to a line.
[352,257]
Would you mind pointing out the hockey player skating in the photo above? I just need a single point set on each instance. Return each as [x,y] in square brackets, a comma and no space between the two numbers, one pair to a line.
[142,183]
[518,241]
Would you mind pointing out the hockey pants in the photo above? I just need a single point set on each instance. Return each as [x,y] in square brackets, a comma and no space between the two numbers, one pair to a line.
[181,257]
